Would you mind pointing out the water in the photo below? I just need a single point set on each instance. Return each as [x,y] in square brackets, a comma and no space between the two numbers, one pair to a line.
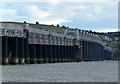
[100,71]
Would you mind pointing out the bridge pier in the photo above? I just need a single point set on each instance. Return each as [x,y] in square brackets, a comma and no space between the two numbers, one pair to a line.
[32,53]
[44,53]
[70,54]
[38,53]
[21,50]
[13,50]
[50,54]
[58,51]
[63,53]
[5,59]
[1,50]
[26,44]
[40,60]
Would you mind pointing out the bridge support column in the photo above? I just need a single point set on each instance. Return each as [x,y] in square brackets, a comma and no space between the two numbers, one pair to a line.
[59,60]
[77,53]
[57,53]
[51,54]
[54,54]
[92,51]
[27,56]
[32,51]
[44,50]
[20,50]
[38,53]
[81,50]
[14,53]
[41,55]
[22,57]
[65,51]
[68,53]
[57,56]
[84,51]
[87,52]
[62,54]
[1,50]
[71,53]
[65,59]
[46,54]
[4,49]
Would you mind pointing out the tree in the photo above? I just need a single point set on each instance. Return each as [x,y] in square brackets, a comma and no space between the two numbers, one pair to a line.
[24,21]
[57,25]
[94,32]
[90,31]
[37,22]
[64,26]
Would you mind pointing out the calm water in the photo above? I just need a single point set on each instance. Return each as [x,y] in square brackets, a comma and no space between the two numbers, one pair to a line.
[100,71]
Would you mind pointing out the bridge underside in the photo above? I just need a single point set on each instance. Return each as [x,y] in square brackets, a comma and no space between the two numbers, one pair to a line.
[16,50]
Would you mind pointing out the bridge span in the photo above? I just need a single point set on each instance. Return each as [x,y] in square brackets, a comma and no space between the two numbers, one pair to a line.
[25,43]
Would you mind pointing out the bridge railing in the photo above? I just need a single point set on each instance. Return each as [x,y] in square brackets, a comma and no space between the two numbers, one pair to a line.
[83,35]
[11,30]
[37,35]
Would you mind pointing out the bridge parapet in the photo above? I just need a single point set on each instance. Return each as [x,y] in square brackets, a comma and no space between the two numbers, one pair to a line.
[46,37]
[12,30]
[83,35]
[40,36]
[107,48]
[35,35]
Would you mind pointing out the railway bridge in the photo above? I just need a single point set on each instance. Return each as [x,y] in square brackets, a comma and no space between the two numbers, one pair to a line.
[25,43]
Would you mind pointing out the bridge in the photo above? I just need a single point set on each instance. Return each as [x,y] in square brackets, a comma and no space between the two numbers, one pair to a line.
[25,43]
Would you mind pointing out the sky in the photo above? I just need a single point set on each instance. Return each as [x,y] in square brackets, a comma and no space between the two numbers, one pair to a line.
[95,15]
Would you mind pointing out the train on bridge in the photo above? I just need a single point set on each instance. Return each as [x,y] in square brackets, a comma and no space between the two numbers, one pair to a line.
[25,43]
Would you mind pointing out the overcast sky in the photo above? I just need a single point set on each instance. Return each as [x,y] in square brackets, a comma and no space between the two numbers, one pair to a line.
[96,15]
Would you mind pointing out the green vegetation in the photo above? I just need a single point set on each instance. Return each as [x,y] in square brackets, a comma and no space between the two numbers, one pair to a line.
[49,27]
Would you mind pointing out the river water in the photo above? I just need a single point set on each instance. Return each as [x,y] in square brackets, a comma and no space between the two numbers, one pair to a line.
[97,71]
